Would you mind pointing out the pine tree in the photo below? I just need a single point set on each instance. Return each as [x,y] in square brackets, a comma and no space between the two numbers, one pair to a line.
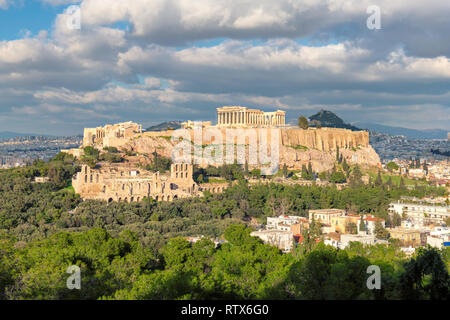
[356,178]
[345,166]
[310,171]
[402,183]
[380,231]
[285,170]
[379,181]
[362,226]
[303,122]
[389,183]
[315,229]
[337,154]
[425,167]
[304,172]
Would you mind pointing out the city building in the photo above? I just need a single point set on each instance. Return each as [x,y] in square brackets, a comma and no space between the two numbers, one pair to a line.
[341,241]
[370,223]
[282,239]
[439,237]
[296,224]
[420,213]
[341,223]
[324,215]
[407,237]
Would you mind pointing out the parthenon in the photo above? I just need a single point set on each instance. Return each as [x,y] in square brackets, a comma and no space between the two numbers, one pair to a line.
[237,116]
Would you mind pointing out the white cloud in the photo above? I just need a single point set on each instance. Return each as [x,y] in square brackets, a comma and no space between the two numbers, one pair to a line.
[308,55]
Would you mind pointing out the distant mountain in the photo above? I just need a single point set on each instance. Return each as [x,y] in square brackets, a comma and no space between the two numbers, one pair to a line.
[10,135]
[165,125]
[329,119]
[409,133]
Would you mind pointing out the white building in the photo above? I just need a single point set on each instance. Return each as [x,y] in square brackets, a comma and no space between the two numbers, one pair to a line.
[421,213]
[345,240]
[438,236]
[370,223]
[284,240]
[366,239]
[283,222]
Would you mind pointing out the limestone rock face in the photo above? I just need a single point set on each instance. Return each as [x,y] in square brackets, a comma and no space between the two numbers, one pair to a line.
[296,146]
[148,145]
[324,160]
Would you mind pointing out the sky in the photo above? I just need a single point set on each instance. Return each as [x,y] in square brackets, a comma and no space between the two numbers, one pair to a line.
[150,61]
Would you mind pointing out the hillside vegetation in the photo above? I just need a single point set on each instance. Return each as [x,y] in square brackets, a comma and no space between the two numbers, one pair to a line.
[139,251]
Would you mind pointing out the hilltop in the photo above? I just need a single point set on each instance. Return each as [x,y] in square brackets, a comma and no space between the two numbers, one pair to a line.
[329,119]
[165,126]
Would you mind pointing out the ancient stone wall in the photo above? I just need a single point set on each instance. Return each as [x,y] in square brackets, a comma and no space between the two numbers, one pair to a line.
[123,183]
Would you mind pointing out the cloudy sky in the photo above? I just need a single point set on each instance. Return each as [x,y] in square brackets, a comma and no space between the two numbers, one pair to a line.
[155,60]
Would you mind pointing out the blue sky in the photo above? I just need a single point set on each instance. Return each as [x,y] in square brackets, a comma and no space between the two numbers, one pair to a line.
[32,17]
[153,61]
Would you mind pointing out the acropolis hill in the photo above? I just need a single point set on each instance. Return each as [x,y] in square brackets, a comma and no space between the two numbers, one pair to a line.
[296,146]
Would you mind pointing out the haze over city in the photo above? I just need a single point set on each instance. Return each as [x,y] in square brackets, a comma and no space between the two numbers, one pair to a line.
[154,61]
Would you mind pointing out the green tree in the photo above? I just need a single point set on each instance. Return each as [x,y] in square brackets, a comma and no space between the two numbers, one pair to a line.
[425,277]
[380,232]
[378,181]
[351,228]
[303,122]
[402,184]
[425,167]
[392,166]
[338,177]
[346,167]
[417,165]
[389,183]
[362,225]
[285,171]
[396,220]
[327,273]
[356,177]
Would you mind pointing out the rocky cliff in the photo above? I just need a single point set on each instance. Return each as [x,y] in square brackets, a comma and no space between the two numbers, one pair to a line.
[296,146]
